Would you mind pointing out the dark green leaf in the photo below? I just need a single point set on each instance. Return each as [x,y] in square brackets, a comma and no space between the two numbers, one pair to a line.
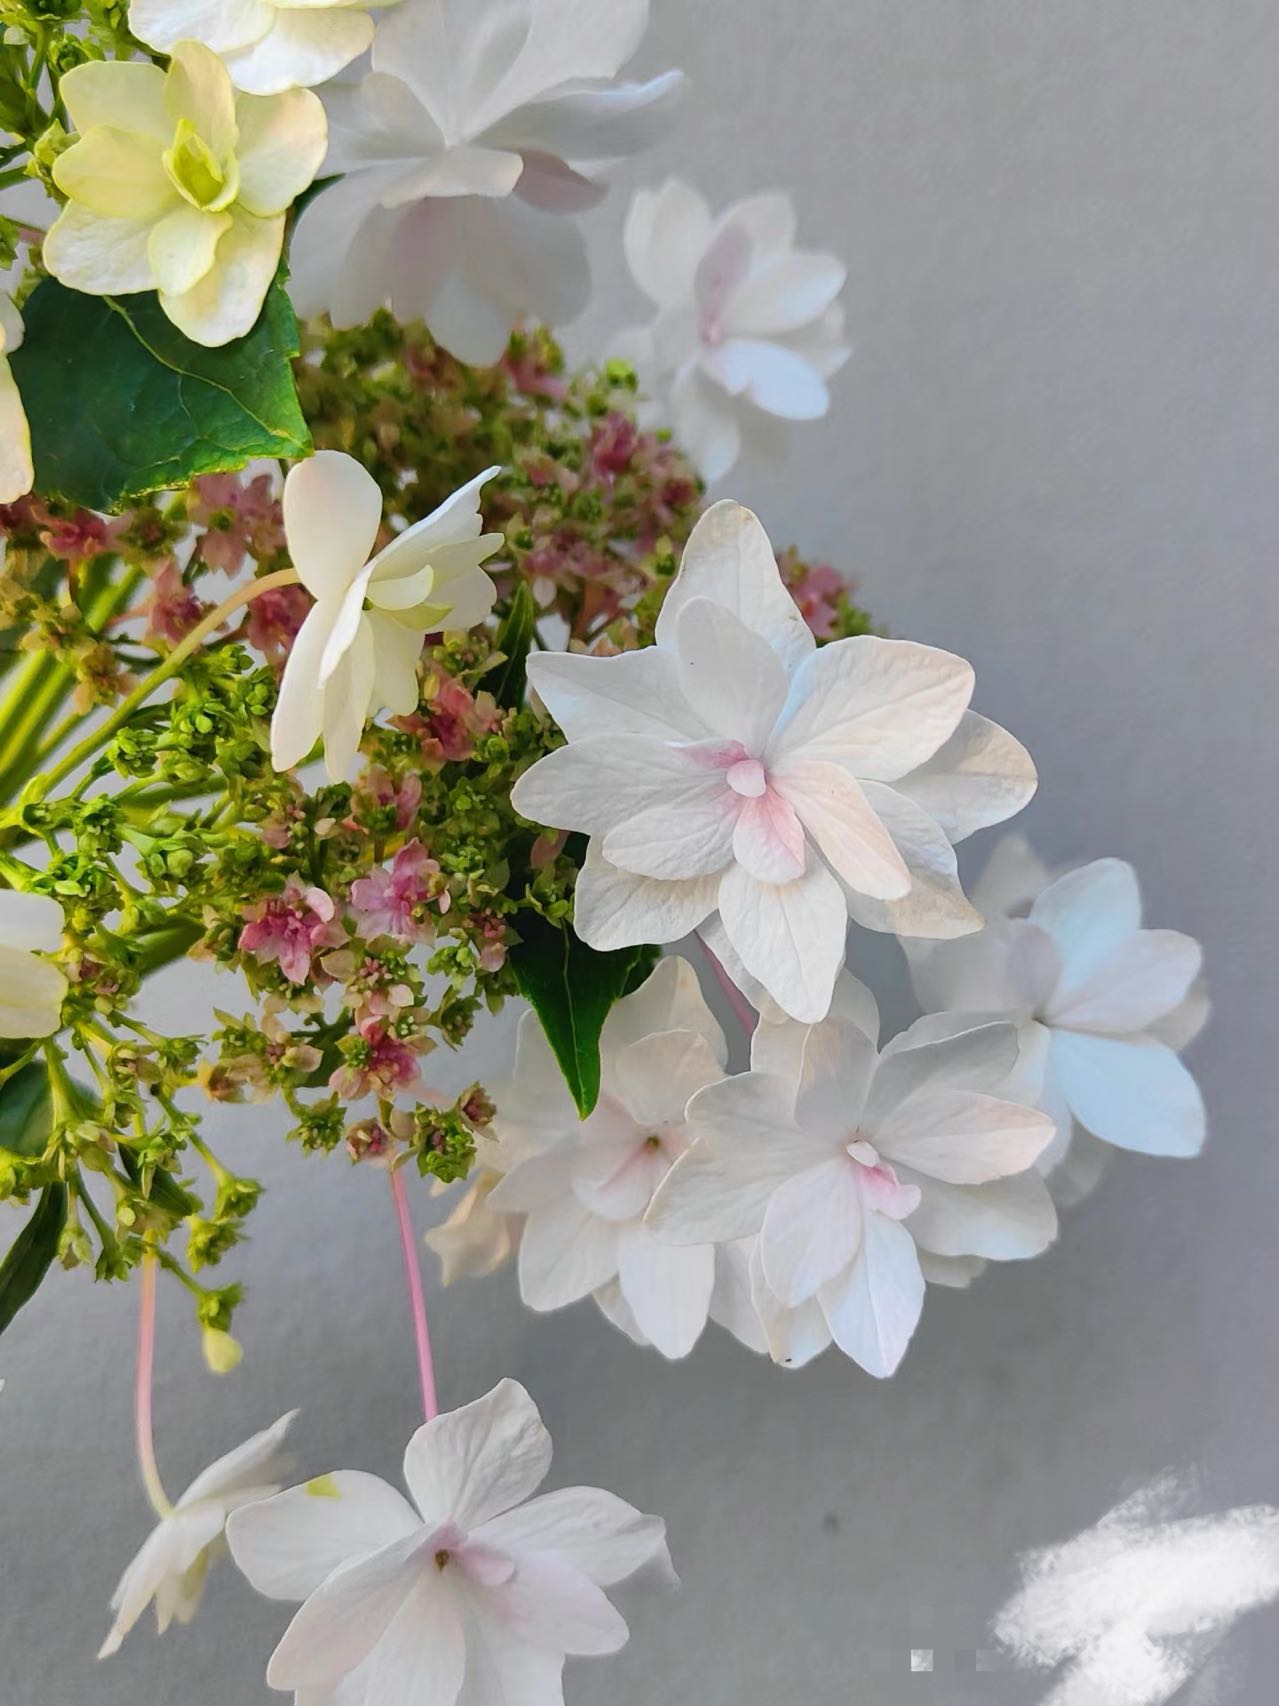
[26,1112]
[514,637]
[572,987]
[121,404]
[31,1253]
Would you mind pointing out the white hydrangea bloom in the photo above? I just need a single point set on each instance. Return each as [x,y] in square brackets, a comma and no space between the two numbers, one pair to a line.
[171,1566]
[747,327]
[465,152]
[734,769]
[267,45]
[16,472]
[359,646]
[1102,1005]
[179,185]
[31,990]
[475,1591]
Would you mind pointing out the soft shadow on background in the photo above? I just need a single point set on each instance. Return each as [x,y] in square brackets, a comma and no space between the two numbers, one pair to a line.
[1055,452]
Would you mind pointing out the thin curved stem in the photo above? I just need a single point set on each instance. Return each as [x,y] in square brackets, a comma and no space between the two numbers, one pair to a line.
[417,1300]
[172,664]
[745,1014]
[142,1393]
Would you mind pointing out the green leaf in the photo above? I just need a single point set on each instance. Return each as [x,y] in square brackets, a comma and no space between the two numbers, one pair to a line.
[121,404]
[31,1253]
[26,1112]
[514,637]
[571,988]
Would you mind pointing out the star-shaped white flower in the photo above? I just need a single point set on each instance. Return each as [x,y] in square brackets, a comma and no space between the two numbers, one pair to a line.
[31,990]
[734,768]
[584,1185]
[477,131]
[16,472]
[267,45]
[359,646]
[473,1594]
[179,185]
[847,1163]
[171,1566]
[1101,1004]
[747,328]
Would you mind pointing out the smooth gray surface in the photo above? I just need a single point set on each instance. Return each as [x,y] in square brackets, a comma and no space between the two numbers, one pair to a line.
[1056,453]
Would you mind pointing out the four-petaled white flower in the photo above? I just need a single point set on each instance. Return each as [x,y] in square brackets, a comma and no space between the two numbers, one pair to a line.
[16,472]
[733,767]
[176,184]
[1101,1004]
[359,646]
[31,990]
[474,128]
[473,1594]
[171,1566]
[584,1185]
[847,1163]
[267,45]
[748,326]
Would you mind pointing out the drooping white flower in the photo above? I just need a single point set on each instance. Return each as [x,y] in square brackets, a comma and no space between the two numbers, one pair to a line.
[171,1566]
[476,1238]
[747,326]
[849,1163]
[1101,1004]
[583,1185]
[16,472]
[359,646]
[179,185]
[474,1594]
[734,768]
[466,149]
[31,990]
[267,45]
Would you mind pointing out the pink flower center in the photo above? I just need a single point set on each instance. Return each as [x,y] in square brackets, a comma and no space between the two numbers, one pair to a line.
[882,1190]
[747,778]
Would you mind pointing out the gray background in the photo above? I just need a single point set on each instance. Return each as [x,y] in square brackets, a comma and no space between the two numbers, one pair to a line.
[1054,452]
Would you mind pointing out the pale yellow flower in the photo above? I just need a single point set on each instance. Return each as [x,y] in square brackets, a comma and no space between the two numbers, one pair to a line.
[179,184]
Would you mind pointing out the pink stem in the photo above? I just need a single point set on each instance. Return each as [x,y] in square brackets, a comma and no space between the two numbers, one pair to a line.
[746,1015]
[417,1301]
[142,1393]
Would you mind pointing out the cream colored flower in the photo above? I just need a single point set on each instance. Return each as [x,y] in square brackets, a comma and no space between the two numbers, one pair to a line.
[16,472]
[178,184]
[31,990]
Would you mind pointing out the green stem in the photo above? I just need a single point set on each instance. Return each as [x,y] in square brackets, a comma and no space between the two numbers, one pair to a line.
[97,738]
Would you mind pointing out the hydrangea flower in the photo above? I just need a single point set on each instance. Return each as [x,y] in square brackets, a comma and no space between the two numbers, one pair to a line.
[464,150]
[747,327]
[584,1185]
[734,769]
[846,1163]
[395,902]
[474,1591]
[291,928]
[359,646]
[31,990]
[171,1566]
[267,45]
[1102,1005]
[16,471]
[178,185]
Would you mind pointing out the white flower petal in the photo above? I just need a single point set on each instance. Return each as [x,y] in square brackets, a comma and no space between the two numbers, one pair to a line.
[221,24]
[500,1666]
[1012,877]
[833,808]
[793,1336]
[879,707]
[600,1535]
[1136,984]
[348,700]
[341,1623]
[1009,966]
[874,1308]
[112,90]
[1129,1091]
[31,995]
[420,1659]
[168,1551]
[614,909]
[730,676]
[592,125]
[1006,1220]
[976,1058]
[249,1465]
[226,302]
[282,141]
[103,257]
[303,47]
[777,1045]
[287,1545]
[635,692]
[768,839]
[731,1304]
[670,999]
[298,718]
[667,1287]
[116,173]
[769,220]
[666,233]
[690,835]
[553,1605]
[790,936]
[812,1230]
[1088,913]
[835,1071]
[774,378]
[604,783]
[784,293]
[197,88]
[963,1137]
[332,511]
[728,559]
[472,1464]
[566,1252]
[183,246]
[16,469]
[656,1077]
[30,921]
[706,424]
[977,778]
[935,905]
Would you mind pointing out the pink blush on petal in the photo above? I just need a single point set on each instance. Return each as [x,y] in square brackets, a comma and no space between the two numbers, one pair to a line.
[769,839]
